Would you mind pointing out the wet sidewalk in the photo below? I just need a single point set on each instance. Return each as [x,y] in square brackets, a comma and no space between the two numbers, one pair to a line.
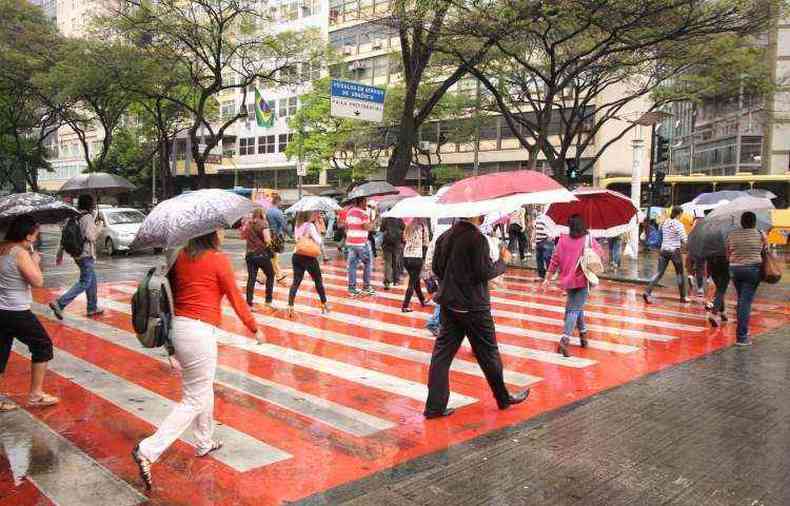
[714,431]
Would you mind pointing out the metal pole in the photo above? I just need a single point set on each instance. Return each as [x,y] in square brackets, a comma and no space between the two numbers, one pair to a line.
[636,188]
[738,128]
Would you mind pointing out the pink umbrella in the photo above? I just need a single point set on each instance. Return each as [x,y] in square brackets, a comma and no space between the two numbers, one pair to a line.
[606,213]
[502,191]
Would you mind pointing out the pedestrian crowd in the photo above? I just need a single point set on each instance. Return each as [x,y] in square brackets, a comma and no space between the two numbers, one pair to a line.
[456,264]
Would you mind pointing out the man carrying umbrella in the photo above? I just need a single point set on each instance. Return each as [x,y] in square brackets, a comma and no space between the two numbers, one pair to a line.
[86,259]
[358,224]
[463,264]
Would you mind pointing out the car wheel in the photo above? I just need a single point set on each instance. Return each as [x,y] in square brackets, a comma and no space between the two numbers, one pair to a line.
[109,247]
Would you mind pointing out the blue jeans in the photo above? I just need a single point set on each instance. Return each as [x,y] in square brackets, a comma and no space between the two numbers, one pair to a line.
[86,283]
[574,311]
[433,321]
[615,250]
[358,254]
[543,252]
[746,279]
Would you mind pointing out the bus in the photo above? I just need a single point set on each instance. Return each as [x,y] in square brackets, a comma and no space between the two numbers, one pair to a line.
[684,188]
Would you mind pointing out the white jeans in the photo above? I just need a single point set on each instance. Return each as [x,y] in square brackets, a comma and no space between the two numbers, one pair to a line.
[195,345]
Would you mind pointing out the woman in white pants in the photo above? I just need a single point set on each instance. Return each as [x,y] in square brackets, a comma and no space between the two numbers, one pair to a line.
[200,278]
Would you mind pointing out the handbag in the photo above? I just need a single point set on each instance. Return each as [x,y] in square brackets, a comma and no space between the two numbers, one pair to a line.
[305,246]
[771,268]
[590,263]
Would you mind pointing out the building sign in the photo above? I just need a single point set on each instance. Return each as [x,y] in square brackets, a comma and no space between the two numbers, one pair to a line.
[301,169]
[357,101]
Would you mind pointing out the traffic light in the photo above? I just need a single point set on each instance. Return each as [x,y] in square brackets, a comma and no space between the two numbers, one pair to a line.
[662,147]
[658,189]
[571,171]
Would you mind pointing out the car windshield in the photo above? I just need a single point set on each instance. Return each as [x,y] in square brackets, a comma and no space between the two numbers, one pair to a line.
[124,217]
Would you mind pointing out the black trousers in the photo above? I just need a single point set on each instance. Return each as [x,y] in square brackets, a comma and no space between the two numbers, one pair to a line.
[664,259]
[372,241]
[719,269]
[257,261]
[414,268]
[517,237]
[23,325]
[478,326]
[391,264]
[302,263]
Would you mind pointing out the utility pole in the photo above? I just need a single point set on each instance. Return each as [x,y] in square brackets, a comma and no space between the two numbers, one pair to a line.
[476,169]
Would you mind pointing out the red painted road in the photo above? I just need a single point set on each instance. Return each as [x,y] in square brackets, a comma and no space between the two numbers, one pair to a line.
[361,370]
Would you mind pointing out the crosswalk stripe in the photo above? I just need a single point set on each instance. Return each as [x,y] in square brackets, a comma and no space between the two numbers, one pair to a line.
[556,309]
[335,415]
[500,328]
[241,452]
[363,376]
[529,318]
[72,478]
[462,366]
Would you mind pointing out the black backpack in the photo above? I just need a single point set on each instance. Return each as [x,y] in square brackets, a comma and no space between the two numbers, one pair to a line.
[71,239]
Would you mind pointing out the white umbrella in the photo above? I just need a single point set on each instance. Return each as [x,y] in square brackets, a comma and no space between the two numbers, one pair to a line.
[313,203]
[413,207]
[175,221]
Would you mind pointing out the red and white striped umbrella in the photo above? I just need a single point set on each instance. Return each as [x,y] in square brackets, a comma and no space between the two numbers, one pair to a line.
[502,191]
[606,213]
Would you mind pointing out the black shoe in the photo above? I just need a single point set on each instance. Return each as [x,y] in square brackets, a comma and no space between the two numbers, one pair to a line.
[446,412]
[723,317]
[646,298]
[562,347]
[583,339]
[406,310]
[55,307]
[386,286]
[516,399]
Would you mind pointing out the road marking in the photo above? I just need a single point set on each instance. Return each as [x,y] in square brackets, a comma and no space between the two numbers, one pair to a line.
[241,451]
[366,377]
[340,417]
[67,476]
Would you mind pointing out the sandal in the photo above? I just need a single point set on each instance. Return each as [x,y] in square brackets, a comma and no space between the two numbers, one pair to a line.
[6,406]
[215,445]
[144,466]
[42,401]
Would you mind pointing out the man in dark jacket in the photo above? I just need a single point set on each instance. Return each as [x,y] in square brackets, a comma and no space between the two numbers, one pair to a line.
[392,246]
[462,262]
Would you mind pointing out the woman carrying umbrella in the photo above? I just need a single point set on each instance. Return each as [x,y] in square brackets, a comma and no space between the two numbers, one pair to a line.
[416,242]
[744,250]
[201,276]
[566,259]
[305,258]
[19,270]
[259,255]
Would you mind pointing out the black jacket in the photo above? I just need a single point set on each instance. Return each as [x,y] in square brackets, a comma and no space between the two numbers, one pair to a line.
[463,264]
[393,232]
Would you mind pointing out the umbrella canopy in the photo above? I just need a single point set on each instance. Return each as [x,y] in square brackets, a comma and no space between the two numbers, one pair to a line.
[175,221]
[607,213]
[43,208]
[709,237]
[413,207]
[502,191]
[313,203]
[332,193]
[96,183]
[761,194]
[716,198]
[372,189]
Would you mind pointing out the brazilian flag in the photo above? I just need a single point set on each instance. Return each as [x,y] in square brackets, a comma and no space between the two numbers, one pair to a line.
[263,113]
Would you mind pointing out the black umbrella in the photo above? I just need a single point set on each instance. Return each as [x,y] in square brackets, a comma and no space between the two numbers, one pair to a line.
[371,189]
[43,208]
[332,193]
[96,183]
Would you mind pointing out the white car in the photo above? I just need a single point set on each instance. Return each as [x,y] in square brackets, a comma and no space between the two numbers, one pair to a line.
[120,227]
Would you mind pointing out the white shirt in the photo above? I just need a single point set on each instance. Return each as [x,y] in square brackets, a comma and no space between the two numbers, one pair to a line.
[673,235]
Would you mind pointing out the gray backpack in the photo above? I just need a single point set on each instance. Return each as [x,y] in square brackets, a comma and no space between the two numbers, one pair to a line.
[152,310]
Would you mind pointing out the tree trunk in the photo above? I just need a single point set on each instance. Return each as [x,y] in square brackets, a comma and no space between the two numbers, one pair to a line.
[400,161]
[165,175]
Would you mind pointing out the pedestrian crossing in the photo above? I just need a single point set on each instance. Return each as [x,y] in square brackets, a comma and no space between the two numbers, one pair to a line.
[321,400]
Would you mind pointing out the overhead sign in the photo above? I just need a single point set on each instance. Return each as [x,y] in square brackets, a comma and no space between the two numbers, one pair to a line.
[357,101]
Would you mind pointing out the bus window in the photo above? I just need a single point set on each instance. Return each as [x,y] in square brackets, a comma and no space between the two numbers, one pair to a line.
[685,192]
[779,188]
[733,186]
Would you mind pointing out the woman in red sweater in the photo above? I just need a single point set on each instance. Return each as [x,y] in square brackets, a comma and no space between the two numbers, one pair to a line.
[200,278]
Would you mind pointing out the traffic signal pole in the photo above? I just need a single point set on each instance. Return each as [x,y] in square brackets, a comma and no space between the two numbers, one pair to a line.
[636,189]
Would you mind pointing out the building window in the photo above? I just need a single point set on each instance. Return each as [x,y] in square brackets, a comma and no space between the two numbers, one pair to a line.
[287,107]
[283,141]
[266,144]
[247,146]
[311,71]
[228,109]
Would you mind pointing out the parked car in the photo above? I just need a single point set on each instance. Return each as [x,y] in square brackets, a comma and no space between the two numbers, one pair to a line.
[121,226]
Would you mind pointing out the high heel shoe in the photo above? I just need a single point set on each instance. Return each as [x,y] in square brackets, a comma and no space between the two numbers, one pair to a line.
[324,308]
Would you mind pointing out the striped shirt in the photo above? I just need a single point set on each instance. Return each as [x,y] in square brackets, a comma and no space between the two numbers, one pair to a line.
[356,227]
[542,229]
[745,246]
[673,235]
